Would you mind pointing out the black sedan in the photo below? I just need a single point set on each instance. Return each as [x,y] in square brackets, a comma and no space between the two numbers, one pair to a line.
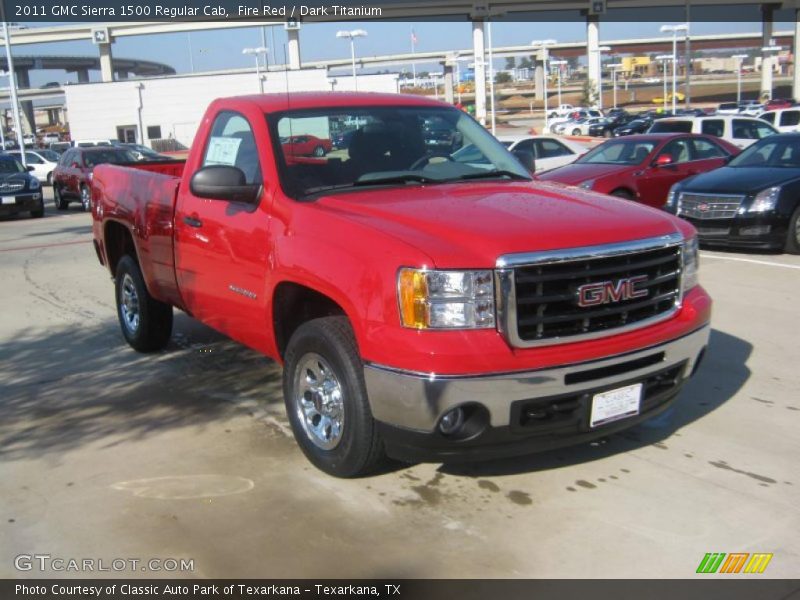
[753,201]
[19,190]
[607,127]
[635,126]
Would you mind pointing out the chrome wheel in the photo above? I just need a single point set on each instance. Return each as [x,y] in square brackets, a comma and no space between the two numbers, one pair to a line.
[86,198]
[129,304]
[319,401]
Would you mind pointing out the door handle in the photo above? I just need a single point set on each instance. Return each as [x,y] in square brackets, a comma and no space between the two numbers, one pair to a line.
[192,222]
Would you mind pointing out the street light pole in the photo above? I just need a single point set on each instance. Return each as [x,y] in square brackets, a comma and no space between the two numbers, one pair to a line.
[664,58]
[256,52]
[614,68]
[739,58]
[674,29]
[600,51]
[352,35]
[12,84]
[558,64]
[543,44]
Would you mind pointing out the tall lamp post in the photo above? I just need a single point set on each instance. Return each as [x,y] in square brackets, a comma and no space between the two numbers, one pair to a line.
[674,29]
[543,44]
[600,51]
[12,84]
[665,58]
[257,52]
[739,58]
[614,68]
[352,35]
[558,64]
[767,64]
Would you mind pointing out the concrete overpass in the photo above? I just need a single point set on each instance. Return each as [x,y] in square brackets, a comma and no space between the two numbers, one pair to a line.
[477,13]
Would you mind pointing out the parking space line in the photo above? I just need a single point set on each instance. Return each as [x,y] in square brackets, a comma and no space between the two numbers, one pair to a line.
[749,260]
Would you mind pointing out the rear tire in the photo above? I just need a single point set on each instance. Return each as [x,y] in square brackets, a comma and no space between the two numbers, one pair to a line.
[622,194]
[146,323]
[319,151]
[576,132]
[58,199]
[793,234]
[326,399]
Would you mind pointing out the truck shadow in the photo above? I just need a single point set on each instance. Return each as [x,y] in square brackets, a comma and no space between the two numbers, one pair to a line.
[723,373]
[73,386]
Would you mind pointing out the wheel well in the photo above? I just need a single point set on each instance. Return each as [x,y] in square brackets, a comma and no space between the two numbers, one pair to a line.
[623,191]
[293,305]
[119,242]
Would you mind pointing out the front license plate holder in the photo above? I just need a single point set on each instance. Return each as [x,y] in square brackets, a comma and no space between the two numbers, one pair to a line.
[616,404]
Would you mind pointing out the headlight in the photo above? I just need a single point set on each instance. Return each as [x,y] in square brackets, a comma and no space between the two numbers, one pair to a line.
[446,299]
[34,184]
[587,185]
[690,263]
[671,204]
[766,200]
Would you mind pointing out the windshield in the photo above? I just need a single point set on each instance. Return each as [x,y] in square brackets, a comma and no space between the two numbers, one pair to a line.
[774,152]
[322,150]
[99,157]
[618,152]
[10,165]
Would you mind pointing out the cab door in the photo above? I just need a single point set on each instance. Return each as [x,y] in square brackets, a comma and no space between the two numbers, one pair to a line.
[222,247]
[655,182]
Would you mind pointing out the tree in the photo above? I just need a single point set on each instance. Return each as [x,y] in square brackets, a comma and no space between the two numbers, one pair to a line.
[588,94]
[503,77]
[511,62]
[525,63]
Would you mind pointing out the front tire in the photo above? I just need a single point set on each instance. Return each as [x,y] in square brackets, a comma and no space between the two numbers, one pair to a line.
[326,399]
[576,131]
[793,234]
[39,212]
[146,323]
[319,152]
[622,194]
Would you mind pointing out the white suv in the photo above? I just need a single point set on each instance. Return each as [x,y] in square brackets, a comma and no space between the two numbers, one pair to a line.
[741,131]
[785,120]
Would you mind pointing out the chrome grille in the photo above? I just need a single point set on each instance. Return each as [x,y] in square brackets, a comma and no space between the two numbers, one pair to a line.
[11,186]
[709,206]
[538,302]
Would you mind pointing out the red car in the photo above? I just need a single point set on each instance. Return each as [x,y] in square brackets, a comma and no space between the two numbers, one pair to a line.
[644,167]
[776,103]
[306,145]
[72,177]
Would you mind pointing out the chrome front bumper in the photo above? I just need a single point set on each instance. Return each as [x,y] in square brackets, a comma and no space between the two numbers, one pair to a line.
[416,401]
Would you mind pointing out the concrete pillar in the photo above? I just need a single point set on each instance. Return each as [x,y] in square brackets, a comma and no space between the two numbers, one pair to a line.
[106,62]
[593,53]
[449,88]
[83,75]
[795,49]
[294,48]
[24,82]
[479,53]
[538,82]
[767,11]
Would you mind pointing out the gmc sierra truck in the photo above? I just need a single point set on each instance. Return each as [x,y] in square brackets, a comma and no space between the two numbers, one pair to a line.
[422,308]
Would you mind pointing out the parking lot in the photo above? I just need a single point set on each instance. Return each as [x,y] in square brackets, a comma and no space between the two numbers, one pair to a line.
[108,454]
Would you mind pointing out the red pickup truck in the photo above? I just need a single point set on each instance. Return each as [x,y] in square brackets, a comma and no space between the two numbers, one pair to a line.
[422,308]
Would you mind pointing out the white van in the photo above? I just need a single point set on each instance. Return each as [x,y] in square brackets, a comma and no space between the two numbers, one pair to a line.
[741,131]
[785,120]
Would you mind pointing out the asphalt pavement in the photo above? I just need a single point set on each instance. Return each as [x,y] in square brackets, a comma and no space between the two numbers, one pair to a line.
[186,454]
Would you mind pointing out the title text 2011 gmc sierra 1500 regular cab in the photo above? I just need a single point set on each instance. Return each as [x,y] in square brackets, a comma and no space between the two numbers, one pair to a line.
[421,307]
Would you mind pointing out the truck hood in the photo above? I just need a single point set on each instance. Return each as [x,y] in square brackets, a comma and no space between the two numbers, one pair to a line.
[740,180]
[470,224]
[575,174]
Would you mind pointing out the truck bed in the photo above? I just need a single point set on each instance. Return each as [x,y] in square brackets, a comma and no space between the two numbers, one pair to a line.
[141,197]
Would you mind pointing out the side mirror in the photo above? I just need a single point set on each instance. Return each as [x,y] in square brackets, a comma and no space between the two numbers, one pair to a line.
[525,157]
[663,160]
[222,182]
[29,167]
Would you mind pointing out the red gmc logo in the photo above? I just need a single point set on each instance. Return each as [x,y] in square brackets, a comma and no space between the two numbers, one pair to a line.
[604,292]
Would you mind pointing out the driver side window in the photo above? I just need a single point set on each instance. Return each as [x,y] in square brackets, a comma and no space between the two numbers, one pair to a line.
[678,150]
[232,143]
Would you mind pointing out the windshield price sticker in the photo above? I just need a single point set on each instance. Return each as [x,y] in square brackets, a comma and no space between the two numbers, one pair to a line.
[222,151]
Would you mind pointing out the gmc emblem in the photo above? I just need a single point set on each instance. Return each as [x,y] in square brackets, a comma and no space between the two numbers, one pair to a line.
[603,292]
